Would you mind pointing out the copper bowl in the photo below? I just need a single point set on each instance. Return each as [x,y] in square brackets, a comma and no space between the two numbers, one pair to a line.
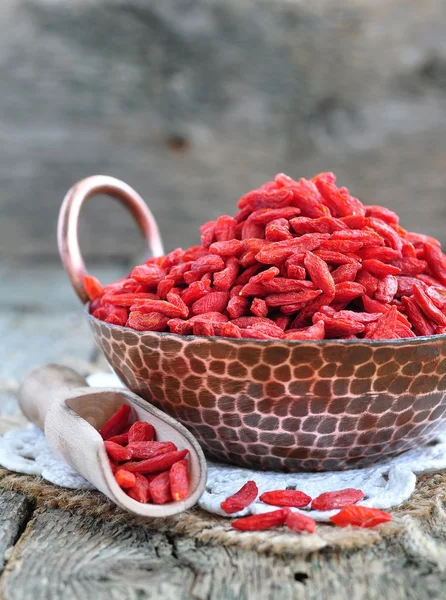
[282,405]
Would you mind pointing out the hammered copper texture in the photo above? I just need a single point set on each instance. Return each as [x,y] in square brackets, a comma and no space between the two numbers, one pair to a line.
[291,406]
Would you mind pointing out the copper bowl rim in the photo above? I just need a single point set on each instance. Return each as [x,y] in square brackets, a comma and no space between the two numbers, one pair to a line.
[374,343]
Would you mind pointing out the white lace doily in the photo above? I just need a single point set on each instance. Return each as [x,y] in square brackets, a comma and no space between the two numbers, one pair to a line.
[385,485]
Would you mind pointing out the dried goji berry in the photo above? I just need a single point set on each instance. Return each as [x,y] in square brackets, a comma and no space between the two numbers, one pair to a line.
[156,464]
[125,479]
[241,499]
[212,302]
[319,273]
[360,516]
[380,212]
[225,228]
[384,327]
[206,329]
[337,499]
[347,291]
[307,197]
[299,522]
[421,325]
[207,233]
[238,306]
[140,491]
[164,287]
[436,261]
[282,285]
[382,253]
[140,431]
[151,321]
[259,307]
[159,488]
[116,423]
[210,317]
[339,328]
[336,258]
[267,520]
[179,326]
[378,268]
[386,232]
[410,266]
[341,245]
[224,280]
[314,332]
[122,439]
[227,248]
[301,298]
[179,480]
[303,225]
[143,450]
[93,287]
[150,275]
[278,230]
[126,299]
[117,452]
[437,295]
[266,215]
[387,288]
[227,330]
[345,272]
[253,289]
[427,306]
[293,498]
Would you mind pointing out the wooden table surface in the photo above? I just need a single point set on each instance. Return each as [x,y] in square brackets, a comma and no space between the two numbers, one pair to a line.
[52,554]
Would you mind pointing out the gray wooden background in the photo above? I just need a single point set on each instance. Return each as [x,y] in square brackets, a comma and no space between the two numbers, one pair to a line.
[193,102]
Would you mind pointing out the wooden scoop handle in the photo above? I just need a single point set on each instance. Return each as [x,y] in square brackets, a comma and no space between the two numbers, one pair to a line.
[42,386]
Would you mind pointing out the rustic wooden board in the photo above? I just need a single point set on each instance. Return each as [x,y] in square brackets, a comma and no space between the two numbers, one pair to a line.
[73,557]
[15,510]
[194,103]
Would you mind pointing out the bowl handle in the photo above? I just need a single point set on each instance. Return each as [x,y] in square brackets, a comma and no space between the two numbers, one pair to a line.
[68,225]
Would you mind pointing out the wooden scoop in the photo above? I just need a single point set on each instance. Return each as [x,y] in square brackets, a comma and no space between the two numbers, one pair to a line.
[59,401]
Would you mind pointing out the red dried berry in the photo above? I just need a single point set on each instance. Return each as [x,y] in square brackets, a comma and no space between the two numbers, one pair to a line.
[116,423]
[93,287]
[337,499]
[122,439]
[360,516]
[319,273]
[156,464]
[267,520]
[143,450]
[159,488]
[140,491]
[125,479]
[212,302]
[116,452]
[241,499]
[151,321]
[299,522]
[292,498]
[179,480]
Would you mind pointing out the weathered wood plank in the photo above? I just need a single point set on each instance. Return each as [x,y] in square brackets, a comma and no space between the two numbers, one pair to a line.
[14,513]
[72,557]
[195,103]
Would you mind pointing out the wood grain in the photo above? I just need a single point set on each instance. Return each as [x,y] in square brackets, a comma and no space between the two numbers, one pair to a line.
[193,104]
[14,513]
[75,557]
